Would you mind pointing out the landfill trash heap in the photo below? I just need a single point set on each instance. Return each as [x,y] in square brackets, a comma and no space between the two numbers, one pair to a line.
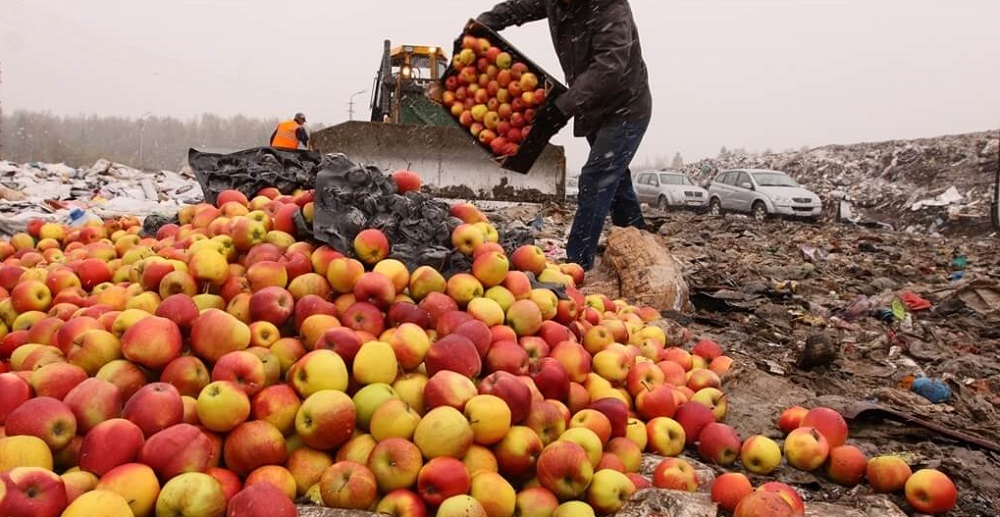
[899,182]
[227,364]
[51,190]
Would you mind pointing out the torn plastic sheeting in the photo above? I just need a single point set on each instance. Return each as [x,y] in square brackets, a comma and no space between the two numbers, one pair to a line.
[982,296]
[948,197]
[915,302]
[250,170]
[123,206]
[673,503]
[320,511]
[46,189]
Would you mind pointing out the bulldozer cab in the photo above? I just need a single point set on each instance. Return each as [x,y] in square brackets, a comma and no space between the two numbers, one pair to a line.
[401,84]
[420,65]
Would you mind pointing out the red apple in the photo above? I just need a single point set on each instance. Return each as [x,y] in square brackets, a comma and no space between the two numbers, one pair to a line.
[828,422]
[791,418]
[763,503]
[252,445]
[152,342]
[93,401]
[441,478]
[675,474]
[564,469]
[155,407]
[931,491]
[46,418]
[109,444]
[729,488]
[719,444]
[693,417]
[16,391]
[846,465]
[456,353]
[551,378]
[260,500]
[887,474]
[617,413]
[32,492]
[515,393]
[177,449]
[507,356]
[272,304]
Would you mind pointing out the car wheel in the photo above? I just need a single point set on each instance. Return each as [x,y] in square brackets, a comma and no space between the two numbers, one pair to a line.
[714,207]
[662,203]
[758,211]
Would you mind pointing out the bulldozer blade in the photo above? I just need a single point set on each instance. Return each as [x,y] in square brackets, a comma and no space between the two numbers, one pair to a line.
[448,161]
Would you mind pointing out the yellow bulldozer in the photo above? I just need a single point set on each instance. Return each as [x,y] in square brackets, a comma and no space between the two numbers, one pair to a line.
[410,129]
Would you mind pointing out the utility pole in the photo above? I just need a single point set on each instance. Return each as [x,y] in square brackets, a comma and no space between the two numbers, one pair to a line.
[350,104]
[142,129]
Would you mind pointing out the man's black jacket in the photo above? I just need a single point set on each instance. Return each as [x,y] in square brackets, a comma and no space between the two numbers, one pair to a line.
[598,47]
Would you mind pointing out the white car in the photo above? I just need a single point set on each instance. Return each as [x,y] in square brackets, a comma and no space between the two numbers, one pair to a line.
[669,189]
[761,193]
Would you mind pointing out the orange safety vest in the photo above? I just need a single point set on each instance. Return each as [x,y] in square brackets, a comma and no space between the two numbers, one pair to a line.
[285,135]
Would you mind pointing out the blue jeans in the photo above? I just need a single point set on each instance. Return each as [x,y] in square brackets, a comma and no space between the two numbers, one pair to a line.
[606,186]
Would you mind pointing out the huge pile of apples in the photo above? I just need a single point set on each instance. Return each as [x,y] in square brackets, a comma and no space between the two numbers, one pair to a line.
[493,95]
[224,367]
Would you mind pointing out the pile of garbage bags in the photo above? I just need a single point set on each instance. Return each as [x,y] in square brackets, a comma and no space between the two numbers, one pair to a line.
[349,197]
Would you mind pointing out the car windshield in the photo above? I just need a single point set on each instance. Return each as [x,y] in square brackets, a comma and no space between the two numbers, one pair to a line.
[674,179]
[774,179]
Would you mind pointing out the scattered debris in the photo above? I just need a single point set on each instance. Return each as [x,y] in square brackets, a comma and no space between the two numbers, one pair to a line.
[50,190]
[879,309]
[819,351]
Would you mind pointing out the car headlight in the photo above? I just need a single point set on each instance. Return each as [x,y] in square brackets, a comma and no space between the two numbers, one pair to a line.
[780,199]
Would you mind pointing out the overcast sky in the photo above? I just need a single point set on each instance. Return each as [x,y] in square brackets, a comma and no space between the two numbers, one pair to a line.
[741,73]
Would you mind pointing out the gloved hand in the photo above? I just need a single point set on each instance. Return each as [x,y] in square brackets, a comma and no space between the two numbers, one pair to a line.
[477,25]
[549,116]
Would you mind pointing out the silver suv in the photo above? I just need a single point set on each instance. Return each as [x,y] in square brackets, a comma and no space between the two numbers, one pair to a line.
[761,193]
[665,189]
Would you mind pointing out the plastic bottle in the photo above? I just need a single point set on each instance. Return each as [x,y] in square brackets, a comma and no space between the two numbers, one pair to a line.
[78,217]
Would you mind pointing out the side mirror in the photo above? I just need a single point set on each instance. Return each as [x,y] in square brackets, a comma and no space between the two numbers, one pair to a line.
[746,185]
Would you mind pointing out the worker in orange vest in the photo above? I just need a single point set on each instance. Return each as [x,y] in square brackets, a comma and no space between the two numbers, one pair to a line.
[290,133]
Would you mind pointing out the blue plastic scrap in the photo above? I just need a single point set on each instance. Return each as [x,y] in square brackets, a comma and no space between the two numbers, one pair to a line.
[934,390]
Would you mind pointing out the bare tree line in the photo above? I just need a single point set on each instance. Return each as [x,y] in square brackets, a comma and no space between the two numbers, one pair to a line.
[152,142]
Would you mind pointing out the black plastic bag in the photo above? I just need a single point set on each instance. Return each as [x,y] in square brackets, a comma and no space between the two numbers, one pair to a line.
[513,238]
[250,170]
[152,224]
[352,197]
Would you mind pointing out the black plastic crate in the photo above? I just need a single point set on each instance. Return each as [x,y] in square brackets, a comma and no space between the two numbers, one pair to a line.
[533,145]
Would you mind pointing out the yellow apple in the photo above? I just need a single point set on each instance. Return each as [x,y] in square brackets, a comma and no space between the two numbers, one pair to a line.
[490,418]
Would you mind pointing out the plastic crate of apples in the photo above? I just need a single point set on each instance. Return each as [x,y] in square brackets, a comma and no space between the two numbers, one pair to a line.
[497,94]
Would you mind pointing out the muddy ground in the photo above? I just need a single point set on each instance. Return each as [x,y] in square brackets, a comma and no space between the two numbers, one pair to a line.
[762,289]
